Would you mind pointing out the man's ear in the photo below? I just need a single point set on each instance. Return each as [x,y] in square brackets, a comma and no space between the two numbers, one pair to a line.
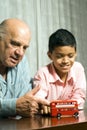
[49,55]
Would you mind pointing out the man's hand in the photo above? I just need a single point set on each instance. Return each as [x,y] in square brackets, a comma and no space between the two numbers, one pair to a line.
[28,105]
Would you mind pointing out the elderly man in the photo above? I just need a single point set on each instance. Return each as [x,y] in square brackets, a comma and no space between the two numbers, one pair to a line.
[16,96]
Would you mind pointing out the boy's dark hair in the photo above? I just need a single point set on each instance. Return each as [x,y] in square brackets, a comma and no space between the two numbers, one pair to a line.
[61,37]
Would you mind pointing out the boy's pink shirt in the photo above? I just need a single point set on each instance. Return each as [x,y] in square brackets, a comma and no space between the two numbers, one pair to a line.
[52,87]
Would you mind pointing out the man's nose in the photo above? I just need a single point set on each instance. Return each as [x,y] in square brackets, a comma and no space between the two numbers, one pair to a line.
[20,51]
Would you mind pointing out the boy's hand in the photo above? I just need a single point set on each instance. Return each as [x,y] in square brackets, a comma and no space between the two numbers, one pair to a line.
[45,110]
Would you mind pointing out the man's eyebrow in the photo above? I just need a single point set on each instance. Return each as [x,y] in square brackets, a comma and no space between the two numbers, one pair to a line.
[13,41]
[18,43]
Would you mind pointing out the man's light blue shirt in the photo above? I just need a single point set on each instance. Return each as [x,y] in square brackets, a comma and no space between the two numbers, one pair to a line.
[17,84]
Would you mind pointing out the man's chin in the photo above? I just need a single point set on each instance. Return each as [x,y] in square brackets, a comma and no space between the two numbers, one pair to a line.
[11,65]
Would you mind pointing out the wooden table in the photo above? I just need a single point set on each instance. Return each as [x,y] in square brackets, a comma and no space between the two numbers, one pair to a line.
[47,123]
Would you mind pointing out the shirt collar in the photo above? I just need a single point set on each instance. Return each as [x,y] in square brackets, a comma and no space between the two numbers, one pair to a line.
[54,77]
[71,75]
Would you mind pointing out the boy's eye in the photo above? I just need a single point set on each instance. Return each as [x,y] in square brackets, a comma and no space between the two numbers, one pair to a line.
[70,55]
[59,56]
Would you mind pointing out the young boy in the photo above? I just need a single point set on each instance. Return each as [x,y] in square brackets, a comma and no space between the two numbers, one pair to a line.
[63,78]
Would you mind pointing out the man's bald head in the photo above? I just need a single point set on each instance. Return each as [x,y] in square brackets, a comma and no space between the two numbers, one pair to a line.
[15,38]
[16,26]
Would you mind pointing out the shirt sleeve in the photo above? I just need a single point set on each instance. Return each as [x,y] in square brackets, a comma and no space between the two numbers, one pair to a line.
[79,91]
[41,80]
[7,107]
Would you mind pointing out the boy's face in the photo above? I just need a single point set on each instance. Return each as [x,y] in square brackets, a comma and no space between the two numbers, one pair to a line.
[63,58]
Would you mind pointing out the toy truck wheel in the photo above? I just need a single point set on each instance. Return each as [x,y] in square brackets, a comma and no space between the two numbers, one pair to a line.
[76,114]
[59,115]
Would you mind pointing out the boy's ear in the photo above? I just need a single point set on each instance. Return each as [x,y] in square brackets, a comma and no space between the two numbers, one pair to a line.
[49,55]
[76,54]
